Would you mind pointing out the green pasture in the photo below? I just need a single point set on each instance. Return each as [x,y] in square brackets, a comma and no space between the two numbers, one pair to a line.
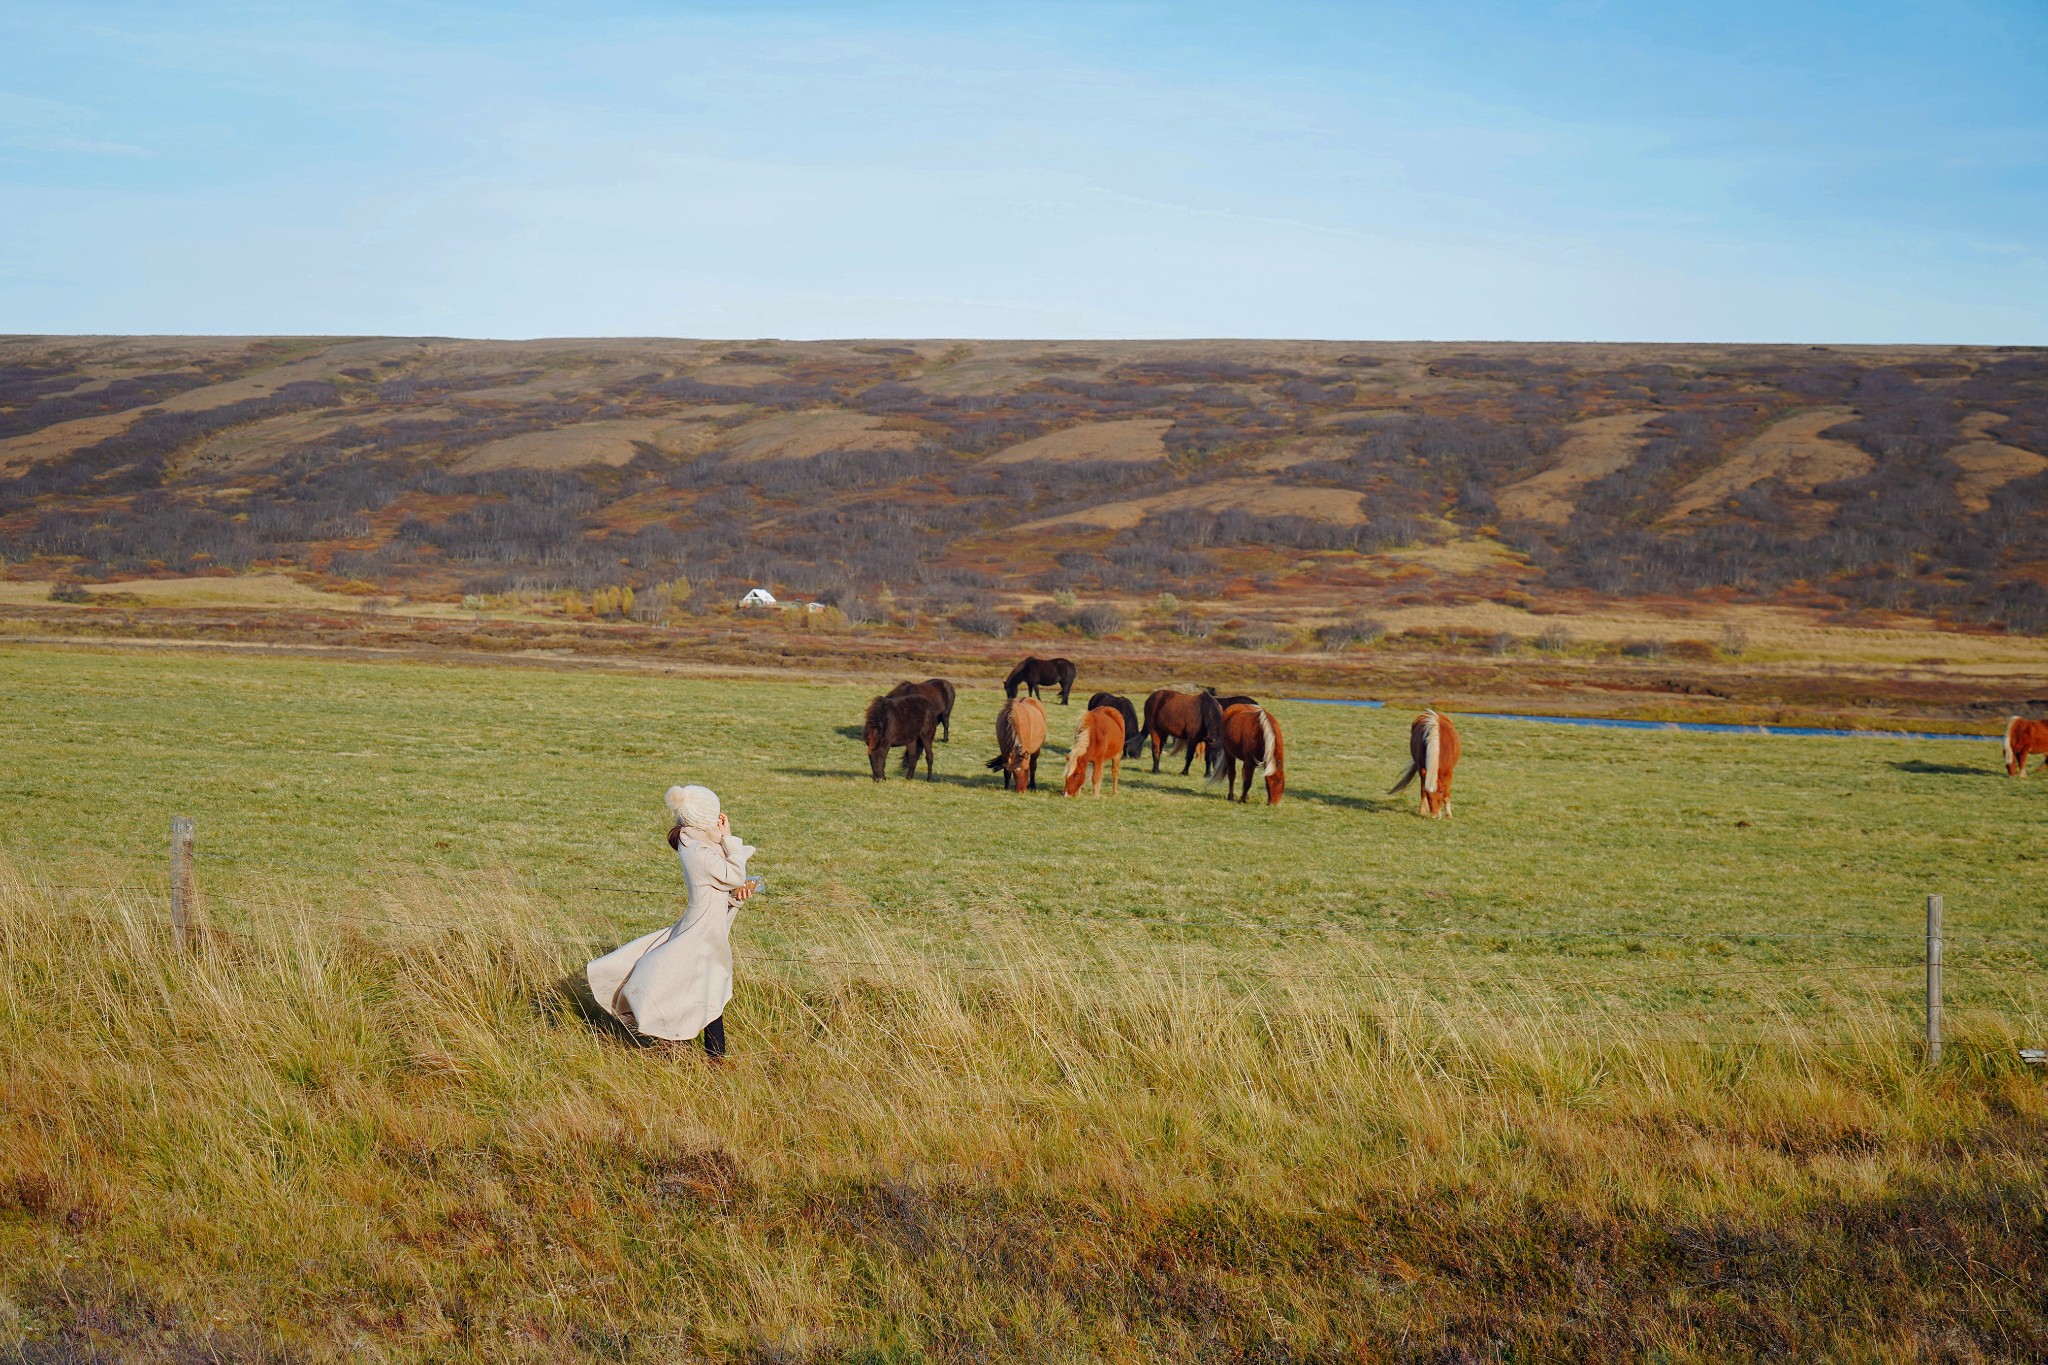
[320,785]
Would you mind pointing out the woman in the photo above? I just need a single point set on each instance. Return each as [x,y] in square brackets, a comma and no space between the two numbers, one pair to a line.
[675,982]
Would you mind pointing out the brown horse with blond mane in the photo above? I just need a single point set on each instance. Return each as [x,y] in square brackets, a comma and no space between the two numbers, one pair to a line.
[1250,736]
[1432,754]
[1098,744]
[2023,739]
[1020,734]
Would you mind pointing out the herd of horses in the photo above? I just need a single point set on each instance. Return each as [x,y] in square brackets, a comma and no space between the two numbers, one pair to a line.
[1233,735]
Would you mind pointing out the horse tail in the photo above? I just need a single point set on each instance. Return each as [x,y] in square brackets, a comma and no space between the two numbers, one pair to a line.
[1406,778]
[1212,730]
[1218,752]
[1432,749]
[1005,728]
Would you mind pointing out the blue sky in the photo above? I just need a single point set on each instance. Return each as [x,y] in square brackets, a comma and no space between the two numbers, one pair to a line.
[1829,172]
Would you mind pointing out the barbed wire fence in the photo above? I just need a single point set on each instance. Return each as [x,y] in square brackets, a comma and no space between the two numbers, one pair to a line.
[189,925]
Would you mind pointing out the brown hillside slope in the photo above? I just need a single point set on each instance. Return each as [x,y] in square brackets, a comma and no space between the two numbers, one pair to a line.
[1288,472]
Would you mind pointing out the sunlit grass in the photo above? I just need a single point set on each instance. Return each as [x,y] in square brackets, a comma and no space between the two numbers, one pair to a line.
[1149,1077]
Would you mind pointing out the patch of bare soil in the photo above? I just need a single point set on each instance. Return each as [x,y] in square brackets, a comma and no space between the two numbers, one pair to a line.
[1133,442]
[1989,465]
[1593,449]
[1792,451]
[806,435]
[1338,506]
[589,443]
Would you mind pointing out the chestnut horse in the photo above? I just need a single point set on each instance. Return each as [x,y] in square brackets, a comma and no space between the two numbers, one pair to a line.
[939,693]
[1193,718]
[906,721]
[1035,673]
[1252,737]
[1098,743]
[1134,734]
[1432,754]
[1020,734]
[2023,739]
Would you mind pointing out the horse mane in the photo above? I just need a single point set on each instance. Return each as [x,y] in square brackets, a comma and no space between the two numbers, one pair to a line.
[2010,726]
[1272,761]
[872,721]
[1084,737]
[1432,749]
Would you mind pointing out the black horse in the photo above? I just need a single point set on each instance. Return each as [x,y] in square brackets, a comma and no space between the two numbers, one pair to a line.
[1226,703]
[1134,734]
[1035,673]
[909,722]
[939,693]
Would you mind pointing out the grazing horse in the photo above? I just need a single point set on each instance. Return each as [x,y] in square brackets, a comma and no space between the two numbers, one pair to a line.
[1020,734]
[1432,754]
[906,721]
[1035,673]
[2023,739]
[1134,734]
[1098,742]
[939,693]
[1192,718]
[1252,737]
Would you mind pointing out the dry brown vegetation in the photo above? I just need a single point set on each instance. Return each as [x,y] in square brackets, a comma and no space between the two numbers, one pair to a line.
[967,479]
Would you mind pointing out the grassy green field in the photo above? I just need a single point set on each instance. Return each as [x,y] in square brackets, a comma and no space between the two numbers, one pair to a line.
[1617,1063]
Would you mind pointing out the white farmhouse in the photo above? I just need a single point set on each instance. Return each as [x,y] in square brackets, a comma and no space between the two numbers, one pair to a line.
[758,597]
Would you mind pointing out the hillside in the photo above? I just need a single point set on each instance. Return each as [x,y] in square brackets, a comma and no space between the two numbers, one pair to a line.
[980,483]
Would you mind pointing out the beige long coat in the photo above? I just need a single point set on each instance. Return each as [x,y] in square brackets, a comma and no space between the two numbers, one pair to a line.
[674,981]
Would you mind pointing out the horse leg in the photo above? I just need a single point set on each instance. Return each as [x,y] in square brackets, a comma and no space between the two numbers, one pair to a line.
[1116,769]
[1188,766]
[1153,735]
[930,751]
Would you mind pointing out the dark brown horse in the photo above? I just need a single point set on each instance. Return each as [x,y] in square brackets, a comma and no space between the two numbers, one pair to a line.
[1252,737]
[1235,699]
[939,693]
[1035,673]
[1020,734]
[1134,735]
[2023,739]
[909,722]
[1432,754]
[1191,719]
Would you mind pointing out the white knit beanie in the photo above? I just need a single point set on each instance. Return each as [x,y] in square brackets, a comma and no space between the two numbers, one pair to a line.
[696,807]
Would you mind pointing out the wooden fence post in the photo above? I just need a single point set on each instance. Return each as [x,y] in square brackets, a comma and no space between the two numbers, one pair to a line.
[1933,980]
[182,900]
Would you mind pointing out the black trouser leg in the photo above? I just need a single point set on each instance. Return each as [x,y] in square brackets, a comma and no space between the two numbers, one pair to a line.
[714,1037]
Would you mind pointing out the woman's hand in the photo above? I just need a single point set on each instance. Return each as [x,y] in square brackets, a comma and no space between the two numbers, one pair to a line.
[724,826]
[743,891]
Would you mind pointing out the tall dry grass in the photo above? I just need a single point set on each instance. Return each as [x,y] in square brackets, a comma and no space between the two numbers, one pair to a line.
[338,1130]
